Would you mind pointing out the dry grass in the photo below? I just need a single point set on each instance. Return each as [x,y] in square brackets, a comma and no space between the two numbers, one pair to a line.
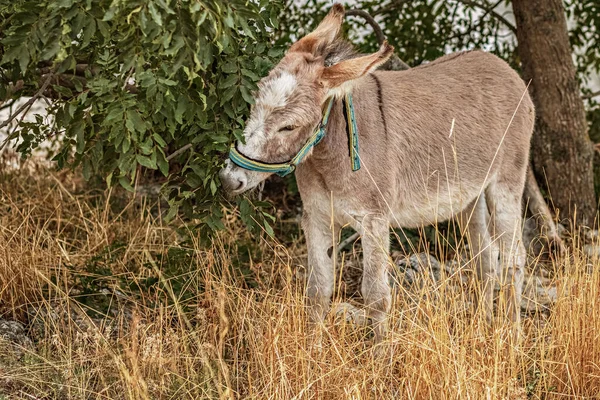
[177,319]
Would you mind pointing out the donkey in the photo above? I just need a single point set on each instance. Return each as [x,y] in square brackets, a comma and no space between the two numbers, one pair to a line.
[447,139]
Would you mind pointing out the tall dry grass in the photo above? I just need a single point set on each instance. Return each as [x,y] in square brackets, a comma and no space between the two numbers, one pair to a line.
[120,306]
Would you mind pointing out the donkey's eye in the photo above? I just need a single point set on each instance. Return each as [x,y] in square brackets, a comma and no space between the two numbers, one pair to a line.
[288,128]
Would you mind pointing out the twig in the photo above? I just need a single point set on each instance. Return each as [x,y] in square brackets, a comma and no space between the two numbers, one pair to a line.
[478,25]
[9,104]
[125,84]
[347,241]
[13,134]
[178,152]
[66,80]
[591,95]
[485,7]
[391,6]
[29,102]
[490,10]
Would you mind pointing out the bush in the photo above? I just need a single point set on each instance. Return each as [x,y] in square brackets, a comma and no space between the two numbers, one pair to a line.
[133,82]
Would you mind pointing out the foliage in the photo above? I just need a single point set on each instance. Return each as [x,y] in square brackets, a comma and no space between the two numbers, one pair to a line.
[419,30]
[133,81]
[136,81]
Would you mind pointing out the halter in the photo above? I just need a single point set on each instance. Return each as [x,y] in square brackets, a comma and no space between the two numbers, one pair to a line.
[283,169]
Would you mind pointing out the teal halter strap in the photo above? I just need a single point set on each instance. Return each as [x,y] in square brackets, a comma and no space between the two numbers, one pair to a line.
[283,169]
[352,132]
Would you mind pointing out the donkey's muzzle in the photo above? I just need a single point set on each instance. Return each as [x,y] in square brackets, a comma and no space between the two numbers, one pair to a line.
[233,181]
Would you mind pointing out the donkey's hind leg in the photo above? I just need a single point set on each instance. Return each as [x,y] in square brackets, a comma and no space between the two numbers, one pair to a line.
[504,198]
[474,220]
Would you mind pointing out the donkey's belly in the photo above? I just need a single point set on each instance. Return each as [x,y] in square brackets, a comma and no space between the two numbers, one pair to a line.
[423,216]
[421,209]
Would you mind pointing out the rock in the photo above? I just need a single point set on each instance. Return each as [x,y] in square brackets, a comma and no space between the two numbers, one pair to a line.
[413,269]
[13,334]
[592,250]
[60,318]
[539,294]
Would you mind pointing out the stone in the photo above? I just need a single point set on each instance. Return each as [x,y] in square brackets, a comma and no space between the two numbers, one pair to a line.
[13,334]
[539,294]
[410,270]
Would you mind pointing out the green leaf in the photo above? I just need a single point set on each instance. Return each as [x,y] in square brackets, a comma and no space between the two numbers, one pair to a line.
[136,120]
[24,60]
[124,182]
[275,52]
[161,142]
[268,229]
[228,82]
[245,207]
[182,105]
[173,209]
[230,67]
[246,95]
[11,54]
[250,74]
[88,32]
[145,161]
[156,17]
[87,169]
[79,132]
[163,165]
[104,28]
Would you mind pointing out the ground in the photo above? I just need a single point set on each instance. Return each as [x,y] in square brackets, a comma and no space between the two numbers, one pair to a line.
[100,299]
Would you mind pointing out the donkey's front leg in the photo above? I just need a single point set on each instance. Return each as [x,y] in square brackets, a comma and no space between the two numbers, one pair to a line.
[375,284]
[319,238]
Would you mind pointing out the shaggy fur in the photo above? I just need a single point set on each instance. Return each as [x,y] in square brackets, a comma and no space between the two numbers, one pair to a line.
[448,139]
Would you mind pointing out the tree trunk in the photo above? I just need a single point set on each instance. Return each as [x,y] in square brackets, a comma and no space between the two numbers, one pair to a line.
[562,152]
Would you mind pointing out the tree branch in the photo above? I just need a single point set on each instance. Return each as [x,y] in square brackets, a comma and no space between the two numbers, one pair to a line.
[590,95]
[390,6]
[8,104]
[490,10]
[178,152]
[29,102]
[394,63]
[478,25]
[485,7]
[370,20]
[347,241]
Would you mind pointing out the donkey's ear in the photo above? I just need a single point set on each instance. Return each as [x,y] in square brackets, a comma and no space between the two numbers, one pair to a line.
[354,68]
[327,31]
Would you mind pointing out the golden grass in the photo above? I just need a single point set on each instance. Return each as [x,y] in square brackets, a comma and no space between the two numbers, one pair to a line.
[184,321]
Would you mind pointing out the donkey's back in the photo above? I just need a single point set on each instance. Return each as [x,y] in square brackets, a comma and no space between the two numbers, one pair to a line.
[447,130]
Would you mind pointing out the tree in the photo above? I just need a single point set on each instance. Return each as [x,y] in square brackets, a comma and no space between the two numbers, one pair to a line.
[138,85]
[562,152]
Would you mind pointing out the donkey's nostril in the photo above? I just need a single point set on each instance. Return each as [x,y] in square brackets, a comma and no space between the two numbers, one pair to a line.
[240,185]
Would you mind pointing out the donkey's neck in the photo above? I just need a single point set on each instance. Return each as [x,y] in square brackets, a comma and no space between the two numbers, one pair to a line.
[334,148]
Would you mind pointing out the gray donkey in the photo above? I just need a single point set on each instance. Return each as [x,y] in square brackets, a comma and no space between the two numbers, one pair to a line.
[446,139]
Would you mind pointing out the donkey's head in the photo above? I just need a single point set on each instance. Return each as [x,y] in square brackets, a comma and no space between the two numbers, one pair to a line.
[290,100]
